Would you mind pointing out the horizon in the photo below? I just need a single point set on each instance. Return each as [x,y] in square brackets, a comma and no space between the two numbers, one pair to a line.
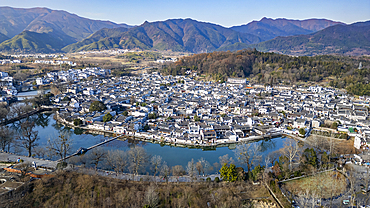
[136,14]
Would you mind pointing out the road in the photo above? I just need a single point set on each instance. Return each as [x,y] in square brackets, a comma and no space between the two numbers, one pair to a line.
[4,157]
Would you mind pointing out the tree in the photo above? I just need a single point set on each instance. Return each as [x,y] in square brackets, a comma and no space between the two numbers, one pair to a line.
[77,122]
[151,198]
[3,113]
[165,171]
[116,160]
[226,159]
[125,113]
[137,157]
[302,131]
[54,90]
[178,170]
[196,118]
[202,166]
[6,138]
[191,169]
[310,157]
[324,159]
[228,173]
[97,155]
[290,150]
[107,117]
[248,154]
[334,125]
[60,146]
[156,163]
[152,116]
[28,137]
[97,106]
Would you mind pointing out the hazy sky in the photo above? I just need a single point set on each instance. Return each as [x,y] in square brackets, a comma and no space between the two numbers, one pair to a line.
[223,12]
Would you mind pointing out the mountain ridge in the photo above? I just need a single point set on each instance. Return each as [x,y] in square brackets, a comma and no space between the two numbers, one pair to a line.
[175,35]
[69,26]
[351,39]
[268,28]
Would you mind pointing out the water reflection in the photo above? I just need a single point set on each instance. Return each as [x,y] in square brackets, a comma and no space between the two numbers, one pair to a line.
[49,128]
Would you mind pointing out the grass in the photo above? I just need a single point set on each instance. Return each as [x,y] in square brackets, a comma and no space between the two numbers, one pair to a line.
[326,184]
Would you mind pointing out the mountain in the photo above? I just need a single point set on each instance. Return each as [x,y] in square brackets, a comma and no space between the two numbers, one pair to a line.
[42,20]
[101,34]
[28,41]
[174,34]
[3,37]
[268,28]
[351,39]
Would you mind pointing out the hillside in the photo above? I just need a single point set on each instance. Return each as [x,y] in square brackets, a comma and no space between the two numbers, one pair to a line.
[3,37]
[101,34]
[33,42]
[268,28]
[272,68]
[174,35]
[339,39]
[42,20]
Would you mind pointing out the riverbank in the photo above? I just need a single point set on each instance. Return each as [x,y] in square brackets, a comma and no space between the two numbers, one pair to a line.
[172,141]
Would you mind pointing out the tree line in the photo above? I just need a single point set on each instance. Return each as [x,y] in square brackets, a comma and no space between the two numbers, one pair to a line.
[272,68]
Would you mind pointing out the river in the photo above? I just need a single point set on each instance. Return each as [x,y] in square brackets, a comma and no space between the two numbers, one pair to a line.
[48,128]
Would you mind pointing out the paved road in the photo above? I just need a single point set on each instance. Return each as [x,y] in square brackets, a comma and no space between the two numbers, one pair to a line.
[4,157]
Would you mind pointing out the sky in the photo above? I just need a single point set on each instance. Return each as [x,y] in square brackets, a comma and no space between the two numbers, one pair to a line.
[223,12]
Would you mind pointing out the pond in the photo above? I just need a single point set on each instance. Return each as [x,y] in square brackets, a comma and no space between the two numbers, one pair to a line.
[48,128]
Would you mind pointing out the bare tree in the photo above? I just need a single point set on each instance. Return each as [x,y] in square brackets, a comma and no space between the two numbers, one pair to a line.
[307,199]
[18,109]
[248,154]
[178,170]
[60,146]
[25,168]
[40,152]
[28,137]
[97,155]
[117,160]
[6,138]
[155,163]
[226,159]
[138,159]
[3,113]
[332,148]
[151,197]
[191,169]
[290,150]
[54,90]
[165,171]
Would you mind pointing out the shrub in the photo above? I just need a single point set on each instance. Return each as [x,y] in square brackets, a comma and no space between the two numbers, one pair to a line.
[217,179]
[77,122]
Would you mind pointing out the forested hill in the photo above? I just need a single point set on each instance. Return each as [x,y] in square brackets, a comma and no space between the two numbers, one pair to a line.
[341,72]
[338,39]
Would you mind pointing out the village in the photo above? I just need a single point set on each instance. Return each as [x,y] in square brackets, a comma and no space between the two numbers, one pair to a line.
[182,111]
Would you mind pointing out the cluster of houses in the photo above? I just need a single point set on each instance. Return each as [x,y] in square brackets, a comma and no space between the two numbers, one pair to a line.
[110,52]
[38,55]
[72,75]
[55,62]
[6,85]
[9,61]
[179,109]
